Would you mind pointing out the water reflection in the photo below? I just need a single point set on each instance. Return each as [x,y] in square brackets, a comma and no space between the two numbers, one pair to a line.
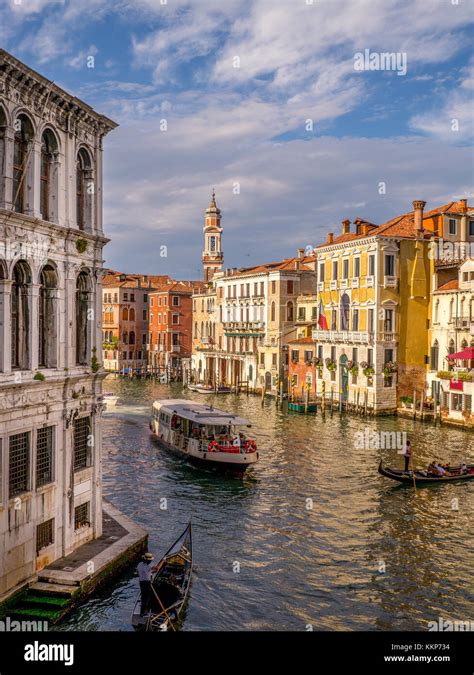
[302,538]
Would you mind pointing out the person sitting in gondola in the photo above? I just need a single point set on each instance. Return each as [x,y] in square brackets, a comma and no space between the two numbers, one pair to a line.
[144,571]
[432,469]
[463,468]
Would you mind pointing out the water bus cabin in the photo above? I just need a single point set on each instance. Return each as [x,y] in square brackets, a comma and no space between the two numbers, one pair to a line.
[205,436]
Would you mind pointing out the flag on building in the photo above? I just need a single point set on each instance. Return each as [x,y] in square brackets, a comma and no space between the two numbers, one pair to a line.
[322,322]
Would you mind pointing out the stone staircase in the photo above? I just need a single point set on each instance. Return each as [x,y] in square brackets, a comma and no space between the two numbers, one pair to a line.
[44,601]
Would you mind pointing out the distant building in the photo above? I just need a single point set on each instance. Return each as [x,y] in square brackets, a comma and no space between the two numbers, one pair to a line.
[125,319]
[170,327]
[51,241]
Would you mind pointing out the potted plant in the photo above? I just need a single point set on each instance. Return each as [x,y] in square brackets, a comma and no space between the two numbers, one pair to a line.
[406,401]
[331,365]
[352,367]
[389,368]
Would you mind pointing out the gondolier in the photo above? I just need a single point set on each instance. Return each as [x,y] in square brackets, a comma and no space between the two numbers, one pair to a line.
[407,454]
[144,571]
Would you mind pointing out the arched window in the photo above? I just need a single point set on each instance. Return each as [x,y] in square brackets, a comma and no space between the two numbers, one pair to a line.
[195,329]
[436,312]
[202,329]
[345,311]
[83,289]
[125,338]
[131,339]
[47,345]
[84,190]
[48,197]
[272,314]
[23,137]
[434,355]
[289,311]
[20,316]
[132,315]
[3,319]
[125,314]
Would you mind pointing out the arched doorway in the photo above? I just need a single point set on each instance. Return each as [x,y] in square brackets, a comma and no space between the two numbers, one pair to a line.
[268,380]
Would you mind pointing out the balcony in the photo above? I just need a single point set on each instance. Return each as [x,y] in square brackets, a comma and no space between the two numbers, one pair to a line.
[370,281]
[244,326]
[320,285]
[462,323]
[355,282]
[344,283]
[333,285]
[389,336]
[390,281]
[362,337]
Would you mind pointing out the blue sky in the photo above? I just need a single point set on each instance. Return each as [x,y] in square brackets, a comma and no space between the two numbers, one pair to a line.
[243,130]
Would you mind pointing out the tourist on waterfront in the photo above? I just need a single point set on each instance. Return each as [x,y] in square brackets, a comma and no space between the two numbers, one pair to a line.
[407,454]
[144,571]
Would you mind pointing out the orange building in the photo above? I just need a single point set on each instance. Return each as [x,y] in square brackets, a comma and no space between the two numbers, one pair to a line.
[125,319]
[302,366]
[170,327]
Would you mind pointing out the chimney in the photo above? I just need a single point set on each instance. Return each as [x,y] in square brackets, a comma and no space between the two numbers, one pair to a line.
[365,229]
[297,264]
[463,205]
[346,226]
[301,253]
[330,238]
[418,206]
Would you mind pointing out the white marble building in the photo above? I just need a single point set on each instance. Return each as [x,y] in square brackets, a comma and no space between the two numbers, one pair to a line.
[51,242]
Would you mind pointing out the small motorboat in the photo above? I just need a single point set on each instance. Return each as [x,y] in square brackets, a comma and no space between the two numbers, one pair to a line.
[170,586]
[453,473]
[203,389]
[203,435]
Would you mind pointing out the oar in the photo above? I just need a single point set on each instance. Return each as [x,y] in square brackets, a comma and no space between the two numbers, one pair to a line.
[413,470]
[163,608]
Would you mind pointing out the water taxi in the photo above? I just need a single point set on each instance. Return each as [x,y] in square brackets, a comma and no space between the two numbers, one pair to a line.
[205,436]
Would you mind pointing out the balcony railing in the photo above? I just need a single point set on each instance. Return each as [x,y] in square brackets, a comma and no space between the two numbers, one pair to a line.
[344,283]
[342,336]
[355,282]
[333,285]
[369,281]
[462,322]
[390,281]
[389,336]
[244,325]
[320,285]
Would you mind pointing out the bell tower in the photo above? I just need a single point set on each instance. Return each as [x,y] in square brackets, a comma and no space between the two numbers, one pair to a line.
[212,257]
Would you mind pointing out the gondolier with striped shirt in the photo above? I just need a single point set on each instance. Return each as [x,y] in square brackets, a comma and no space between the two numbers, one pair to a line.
[144,571]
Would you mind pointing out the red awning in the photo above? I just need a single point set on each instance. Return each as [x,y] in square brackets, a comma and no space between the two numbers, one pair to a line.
[466,354]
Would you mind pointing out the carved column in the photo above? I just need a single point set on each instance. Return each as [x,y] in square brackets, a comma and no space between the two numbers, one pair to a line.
[5,325]
[7,135]
[33,337]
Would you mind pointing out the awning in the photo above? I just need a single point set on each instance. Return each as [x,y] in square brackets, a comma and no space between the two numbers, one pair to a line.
[466,355]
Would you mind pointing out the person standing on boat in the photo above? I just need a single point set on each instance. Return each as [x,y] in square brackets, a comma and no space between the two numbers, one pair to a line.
[144,571]
[407,454]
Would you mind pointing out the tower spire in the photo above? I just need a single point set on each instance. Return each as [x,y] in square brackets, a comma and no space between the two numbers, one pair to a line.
[212,256]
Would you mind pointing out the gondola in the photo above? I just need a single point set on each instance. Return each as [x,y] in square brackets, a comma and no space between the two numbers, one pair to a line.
[422,477]
[170,587]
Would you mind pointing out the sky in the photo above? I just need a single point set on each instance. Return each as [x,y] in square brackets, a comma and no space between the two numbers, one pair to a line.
[265,101]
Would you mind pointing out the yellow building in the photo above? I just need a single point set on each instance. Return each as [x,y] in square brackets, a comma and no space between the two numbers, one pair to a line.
[374,290]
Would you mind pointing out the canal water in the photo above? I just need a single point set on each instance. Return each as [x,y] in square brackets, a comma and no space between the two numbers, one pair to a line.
[312,537]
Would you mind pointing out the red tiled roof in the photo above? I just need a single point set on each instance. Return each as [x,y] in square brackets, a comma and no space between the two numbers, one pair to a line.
[302,341]
[402,226]
[112,279]
[283,265]
[452,285]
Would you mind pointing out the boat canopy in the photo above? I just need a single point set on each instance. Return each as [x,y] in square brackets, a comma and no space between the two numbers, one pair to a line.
[199,413]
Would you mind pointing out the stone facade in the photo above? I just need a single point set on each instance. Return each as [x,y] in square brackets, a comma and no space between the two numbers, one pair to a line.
[51,242]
